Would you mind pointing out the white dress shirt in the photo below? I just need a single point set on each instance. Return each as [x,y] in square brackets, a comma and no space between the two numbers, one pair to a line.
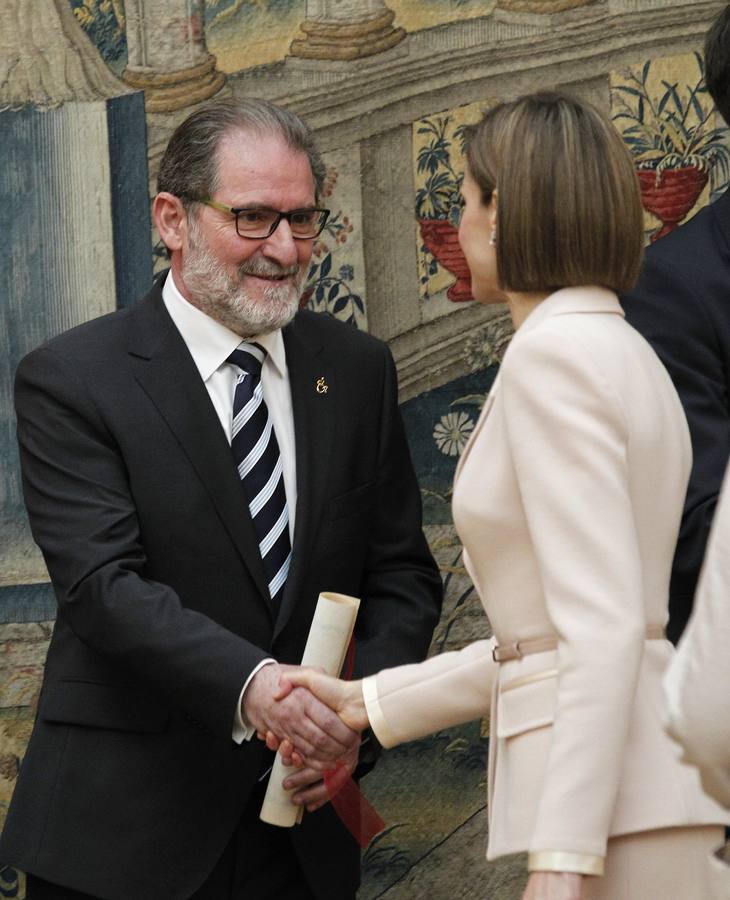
[210,344]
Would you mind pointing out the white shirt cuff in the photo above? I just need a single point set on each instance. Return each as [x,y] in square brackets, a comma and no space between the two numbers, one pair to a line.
[242,730]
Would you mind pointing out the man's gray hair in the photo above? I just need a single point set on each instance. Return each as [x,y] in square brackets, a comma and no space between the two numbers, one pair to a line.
[189,166]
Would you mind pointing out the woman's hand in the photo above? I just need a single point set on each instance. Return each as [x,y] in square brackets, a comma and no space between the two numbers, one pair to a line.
[554,886]
[343,697]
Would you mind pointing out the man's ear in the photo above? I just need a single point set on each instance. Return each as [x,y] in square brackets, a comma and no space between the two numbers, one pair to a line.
[170,218]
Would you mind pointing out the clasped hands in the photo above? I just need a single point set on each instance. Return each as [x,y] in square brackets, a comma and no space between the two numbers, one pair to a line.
[314,721]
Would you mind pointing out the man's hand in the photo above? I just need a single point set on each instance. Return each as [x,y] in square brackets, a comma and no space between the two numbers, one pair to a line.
[300,718]
[554,886]
[308,783]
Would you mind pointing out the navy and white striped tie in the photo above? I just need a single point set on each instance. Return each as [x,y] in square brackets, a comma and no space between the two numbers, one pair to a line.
[256,453]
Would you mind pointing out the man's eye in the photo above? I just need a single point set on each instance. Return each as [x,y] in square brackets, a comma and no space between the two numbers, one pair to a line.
[303,217]
[254,216]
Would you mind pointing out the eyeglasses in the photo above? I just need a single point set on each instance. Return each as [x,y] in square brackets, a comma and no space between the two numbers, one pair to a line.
[260,222]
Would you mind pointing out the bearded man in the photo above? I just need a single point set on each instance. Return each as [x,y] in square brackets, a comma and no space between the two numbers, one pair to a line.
[196,470]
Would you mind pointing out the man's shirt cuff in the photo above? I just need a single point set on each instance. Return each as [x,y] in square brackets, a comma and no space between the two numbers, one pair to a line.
[242,730]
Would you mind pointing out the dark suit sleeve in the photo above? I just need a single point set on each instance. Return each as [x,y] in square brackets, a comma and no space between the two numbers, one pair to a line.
[83,516]
[402,588]
[668,309]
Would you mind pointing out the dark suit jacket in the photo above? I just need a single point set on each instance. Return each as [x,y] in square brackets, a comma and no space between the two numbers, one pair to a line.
[132,784]
[682,307]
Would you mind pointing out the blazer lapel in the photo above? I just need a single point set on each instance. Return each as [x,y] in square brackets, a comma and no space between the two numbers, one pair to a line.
[488,403]
[314,400]
[166,371]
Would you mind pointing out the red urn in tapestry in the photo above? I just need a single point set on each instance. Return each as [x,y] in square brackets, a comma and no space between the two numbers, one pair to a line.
[671,194]
[438,205]
[670,137]
[441,239]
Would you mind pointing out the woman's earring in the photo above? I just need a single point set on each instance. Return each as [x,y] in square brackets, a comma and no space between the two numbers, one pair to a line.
[493,238]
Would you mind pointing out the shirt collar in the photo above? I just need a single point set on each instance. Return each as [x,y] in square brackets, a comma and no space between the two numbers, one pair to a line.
[273,344]
[210,343]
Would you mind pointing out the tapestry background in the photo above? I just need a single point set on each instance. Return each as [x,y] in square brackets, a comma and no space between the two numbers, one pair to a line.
[90,90]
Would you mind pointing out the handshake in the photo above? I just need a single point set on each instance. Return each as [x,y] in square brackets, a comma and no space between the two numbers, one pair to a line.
[314,722]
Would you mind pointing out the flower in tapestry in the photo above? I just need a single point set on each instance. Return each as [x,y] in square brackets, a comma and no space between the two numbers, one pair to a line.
[335,280]
[452,432]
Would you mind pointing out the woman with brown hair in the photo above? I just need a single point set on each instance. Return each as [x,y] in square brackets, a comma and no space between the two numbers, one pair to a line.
[568,500]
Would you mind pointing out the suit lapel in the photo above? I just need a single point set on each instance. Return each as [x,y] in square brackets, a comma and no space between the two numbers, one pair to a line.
[165,369]
[314,400]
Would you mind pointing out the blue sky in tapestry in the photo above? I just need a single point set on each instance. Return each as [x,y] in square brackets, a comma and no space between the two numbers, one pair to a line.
[217,11]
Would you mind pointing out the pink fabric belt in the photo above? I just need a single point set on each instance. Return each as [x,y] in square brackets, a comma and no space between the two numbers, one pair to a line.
[505,652]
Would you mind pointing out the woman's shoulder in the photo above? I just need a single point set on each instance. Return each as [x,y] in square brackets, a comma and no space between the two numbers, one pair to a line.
[569,333]
[580,358]
[569,340]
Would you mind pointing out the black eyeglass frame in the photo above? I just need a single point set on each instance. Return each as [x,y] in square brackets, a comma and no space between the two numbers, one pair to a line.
[235,211]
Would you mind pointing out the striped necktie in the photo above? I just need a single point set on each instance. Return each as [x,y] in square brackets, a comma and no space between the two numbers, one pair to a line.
[256,453]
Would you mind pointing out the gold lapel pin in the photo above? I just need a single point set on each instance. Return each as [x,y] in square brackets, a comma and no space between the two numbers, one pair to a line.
[322,386]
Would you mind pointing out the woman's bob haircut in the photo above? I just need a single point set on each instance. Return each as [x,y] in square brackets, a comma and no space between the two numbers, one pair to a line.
[568,209]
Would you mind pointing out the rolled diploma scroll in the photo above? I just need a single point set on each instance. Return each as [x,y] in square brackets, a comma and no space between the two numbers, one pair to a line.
[329,637]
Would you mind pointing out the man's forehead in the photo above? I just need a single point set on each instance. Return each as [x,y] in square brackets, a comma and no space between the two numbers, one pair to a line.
[262,154]
[262,169]
[242,139]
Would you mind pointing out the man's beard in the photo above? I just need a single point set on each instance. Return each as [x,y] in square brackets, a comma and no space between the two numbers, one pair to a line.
[225,298]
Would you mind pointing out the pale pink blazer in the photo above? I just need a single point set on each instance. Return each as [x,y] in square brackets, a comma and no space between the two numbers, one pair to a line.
[567,499]
[697,684]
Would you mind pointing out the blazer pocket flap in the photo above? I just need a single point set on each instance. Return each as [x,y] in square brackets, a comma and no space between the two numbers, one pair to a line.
[355,501]
[101,706]
[526,703]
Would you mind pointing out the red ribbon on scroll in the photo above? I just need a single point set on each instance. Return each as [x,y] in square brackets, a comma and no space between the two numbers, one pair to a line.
[356,814]
[349,663]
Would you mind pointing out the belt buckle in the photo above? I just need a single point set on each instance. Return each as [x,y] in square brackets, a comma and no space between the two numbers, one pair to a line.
[516,652]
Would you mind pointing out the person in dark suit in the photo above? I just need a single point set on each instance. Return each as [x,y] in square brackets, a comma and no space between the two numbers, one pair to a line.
[682,306]
[196,470]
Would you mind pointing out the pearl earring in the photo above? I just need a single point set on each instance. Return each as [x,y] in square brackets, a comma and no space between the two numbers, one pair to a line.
[493,238]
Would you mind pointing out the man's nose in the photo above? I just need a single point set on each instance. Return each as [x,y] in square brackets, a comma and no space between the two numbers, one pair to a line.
[281,246]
